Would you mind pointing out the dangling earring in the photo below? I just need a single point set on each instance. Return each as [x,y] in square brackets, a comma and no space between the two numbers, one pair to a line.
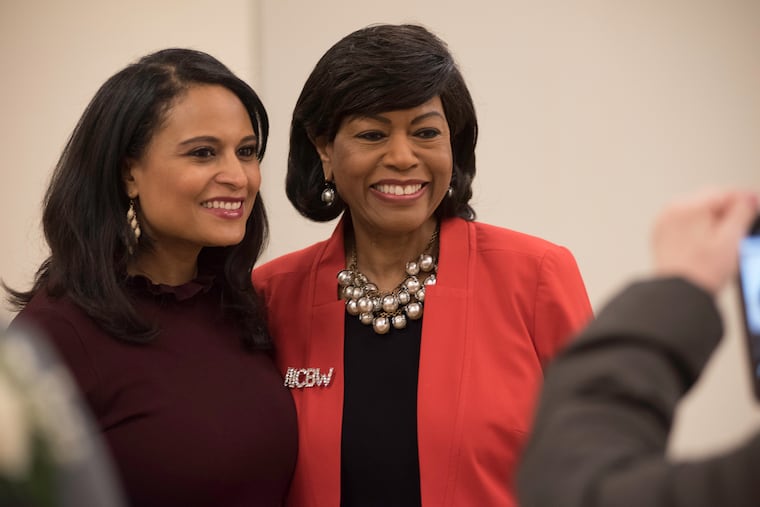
[450,192]
[134,225]
[328,193]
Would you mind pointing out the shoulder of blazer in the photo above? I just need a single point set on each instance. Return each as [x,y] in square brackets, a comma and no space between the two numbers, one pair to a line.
[298,262]
[301,263]
[492,237]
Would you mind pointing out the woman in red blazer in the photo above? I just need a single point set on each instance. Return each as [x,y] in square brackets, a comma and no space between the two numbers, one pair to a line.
[414,338]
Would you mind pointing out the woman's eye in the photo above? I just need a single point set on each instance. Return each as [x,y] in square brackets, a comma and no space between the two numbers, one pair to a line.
[428,133]
[371,136]
[202,153]
[247,152]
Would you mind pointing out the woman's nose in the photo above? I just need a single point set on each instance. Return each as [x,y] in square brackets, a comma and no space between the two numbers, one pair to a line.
[400,152]
[232,172]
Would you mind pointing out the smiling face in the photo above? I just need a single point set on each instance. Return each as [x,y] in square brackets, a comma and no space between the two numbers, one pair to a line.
[391,169]
[199,176]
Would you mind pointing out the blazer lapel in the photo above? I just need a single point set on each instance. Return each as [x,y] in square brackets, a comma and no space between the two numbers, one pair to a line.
[443,359]
[324,406]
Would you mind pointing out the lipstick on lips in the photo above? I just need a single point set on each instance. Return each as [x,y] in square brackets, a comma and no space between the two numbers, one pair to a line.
[225,207]
[399,190]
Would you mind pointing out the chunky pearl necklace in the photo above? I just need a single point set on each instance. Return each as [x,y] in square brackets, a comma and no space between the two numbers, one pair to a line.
[386,309]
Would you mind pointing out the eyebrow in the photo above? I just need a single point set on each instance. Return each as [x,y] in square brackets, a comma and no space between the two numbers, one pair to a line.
[416,120]
[214,140]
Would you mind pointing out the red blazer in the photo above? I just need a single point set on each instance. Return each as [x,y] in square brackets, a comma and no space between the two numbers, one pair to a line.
[504,304]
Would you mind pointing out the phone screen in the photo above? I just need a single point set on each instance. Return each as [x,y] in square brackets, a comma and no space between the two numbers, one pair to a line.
[749,282]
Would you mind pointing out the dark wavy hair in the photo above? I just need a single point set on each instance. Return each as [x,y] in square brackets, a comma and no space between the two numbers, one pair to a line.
[373,70]
[85,206]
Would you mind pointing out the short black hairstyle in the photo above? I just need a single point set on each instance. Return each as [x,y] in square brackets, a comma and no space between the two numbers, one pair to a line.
[85,206]
[377,69]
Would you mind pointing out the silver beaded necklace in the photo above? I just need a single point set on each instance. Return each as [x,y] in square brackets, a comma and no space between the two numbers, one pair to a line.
[386,309]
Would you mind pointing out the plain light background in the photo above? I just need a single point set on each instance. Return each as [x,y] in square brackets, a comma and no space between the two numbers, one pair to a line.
[593,114]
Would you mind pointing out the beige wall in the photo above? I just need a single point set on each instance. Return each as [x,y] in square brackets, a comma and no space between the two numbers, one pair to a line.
[592,115]
[54,56]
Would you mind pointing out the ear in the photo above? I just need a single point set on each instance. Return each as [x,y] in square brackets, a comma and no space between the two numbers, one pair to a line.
[324,148]
[128,176]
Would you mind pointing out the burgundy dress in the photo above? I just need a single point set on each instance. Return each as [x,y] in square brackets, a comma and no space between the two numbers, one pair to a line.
[192,418]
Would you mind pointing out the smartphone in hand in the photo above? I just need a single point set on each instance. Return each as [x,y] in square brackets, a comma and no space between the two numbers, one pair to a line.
[749,284]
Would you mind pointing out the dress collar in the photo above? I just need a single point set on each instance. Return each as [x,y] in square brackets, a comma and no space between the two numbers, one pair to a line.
[200,284]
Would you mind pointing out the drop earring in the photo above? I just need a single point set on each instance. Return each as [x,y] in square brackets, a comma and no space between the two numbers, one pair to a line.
[134,226]
[450,192]
[328,193]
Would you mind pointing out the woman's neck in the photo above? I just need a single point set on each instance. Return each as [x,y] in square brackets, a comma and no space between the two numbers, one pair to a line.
[382,258]
[161,268]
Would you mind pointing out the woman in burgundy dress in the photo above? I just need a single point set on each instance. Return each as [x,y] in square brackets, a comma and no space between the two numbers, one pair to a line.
[153,219]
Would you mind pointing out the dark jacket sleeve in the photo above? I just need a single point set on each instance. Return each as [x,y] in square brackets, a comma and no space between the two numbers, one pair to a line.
[608,403]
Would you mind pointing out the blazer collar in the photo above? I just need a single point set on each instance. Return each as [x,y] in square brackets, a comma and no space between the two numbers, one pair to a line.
[331,261]
[454,246]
